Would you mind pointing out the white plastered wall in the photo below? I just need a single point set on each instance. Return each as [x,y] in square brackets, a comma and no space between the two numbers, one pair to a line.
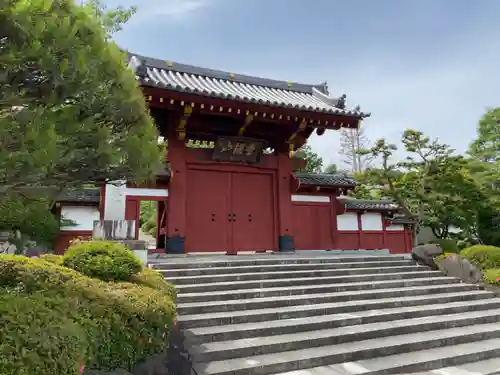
[371,221]
[116,196]
[82,216]
[347,221]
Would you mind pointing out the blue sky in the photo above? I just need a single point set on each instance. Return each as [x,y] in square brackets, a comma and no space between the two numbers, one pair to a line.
[431,65]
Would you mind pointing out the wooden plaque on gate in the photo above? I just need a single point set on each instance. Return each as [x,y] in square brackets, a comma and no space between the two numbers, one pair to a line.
[238,149]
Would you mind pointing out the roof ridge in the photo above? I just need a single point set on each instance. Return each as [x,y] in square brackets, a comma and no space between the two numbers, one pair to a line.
[151,62]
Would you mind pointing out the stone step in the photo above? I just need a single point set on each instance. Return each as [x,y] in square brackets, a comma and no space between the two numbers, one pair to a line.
[239,294]
[222,350]
[274,363]
[296,300]
[245,331]
[190,269]
[465,355]
[304,281]
[286,313]
[485,367]
[171,277]
[270,260]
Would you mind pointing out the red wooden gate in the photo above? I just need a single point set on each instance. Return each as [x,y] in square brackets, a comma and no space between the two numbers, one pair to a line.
[229,211]
[312,226]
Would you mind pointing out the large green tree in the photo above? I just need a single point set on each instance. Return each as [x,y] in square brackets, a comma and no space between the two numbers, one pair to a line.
[485,168]
[433,184]
[71,112]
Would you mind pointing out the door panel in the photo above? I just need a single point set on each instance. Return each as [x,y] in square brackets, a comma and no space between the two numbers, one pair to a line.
[207,211]
[252,205]
[312,227]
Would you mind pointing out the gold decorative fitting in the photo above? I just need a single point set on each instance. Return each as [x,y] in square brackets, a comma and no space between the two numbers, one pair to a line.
[326,122]
[230,110]
[181,129]
[248,121]
[182,103]
[172,101]
[256,113]
[317,188]
[211,107]
[247,112]
[288,118]
[272,115]
[264,115]
[281,116]
[161,100]
[311,121]
[202,106]
[238,111]
[150,98]
[221,109]
[170,63]
[291,147]
[232,75]
[289,84]
[192,105]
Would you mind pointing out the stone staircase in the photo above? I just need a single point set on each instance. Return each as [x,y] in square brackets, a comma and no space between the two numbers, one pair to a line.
[301,314]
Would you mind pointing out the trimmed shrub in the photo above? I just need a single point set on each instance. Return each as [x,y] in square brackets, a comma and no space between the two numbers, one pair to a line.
[52,258]
[154,279]
[105,260]
[485,257]
[36,336]
[122,323]
[492,276]
[448,245]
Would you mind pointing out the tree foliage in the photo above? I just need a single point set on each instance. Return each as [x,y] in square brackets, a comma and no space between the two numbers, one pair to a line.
[314,162]
[71,112]
[433,184]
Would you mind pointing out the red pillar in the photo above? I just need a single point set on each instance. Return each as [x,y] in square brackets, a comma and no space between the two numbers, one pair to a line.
[333,211]
[285,215]
[176,210]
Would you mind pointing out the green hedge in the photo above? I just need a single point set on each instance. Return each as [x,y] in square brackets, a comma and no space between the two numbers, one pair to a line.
[122,323]
[492,276]
[105,260]
[485,257]
[37,337]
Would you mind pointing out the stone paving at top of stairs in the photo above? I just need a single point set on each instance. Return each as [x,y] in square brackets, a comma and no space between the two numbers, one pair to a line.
[328,314]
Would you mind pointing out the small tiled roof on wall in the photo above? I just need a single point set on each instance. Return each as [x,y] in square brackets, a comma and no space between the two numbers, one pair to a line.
[224,85]
[87,195]
[314,179]
[369,205]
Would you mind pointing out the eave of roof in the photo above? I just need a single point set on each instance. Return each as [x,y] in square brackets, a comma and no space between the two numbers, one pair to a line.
[224,85]
[87,195]
[369,204]
[324,180]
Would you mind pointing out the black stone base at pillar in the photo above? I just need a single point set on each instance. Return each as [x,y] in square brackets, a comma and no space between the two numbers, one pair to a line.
[286,244]
[175,245]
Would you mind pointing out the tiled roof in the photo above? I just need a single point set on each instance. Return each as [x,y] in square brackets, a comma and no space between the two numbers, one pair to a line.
[225,85]
[325,179]
[365,204]
[90,195]
[399,220]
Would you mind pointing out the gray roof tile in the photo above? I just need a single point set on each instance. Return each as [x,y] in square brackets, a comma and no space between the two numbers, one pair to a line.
[325,179]
[365,204]
[224,85]
[89,195]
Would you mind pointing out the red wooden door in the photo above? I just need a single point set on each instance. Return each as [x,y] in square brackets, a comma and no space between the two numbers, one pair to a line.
[207,208]
[312,227]
[252,206]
